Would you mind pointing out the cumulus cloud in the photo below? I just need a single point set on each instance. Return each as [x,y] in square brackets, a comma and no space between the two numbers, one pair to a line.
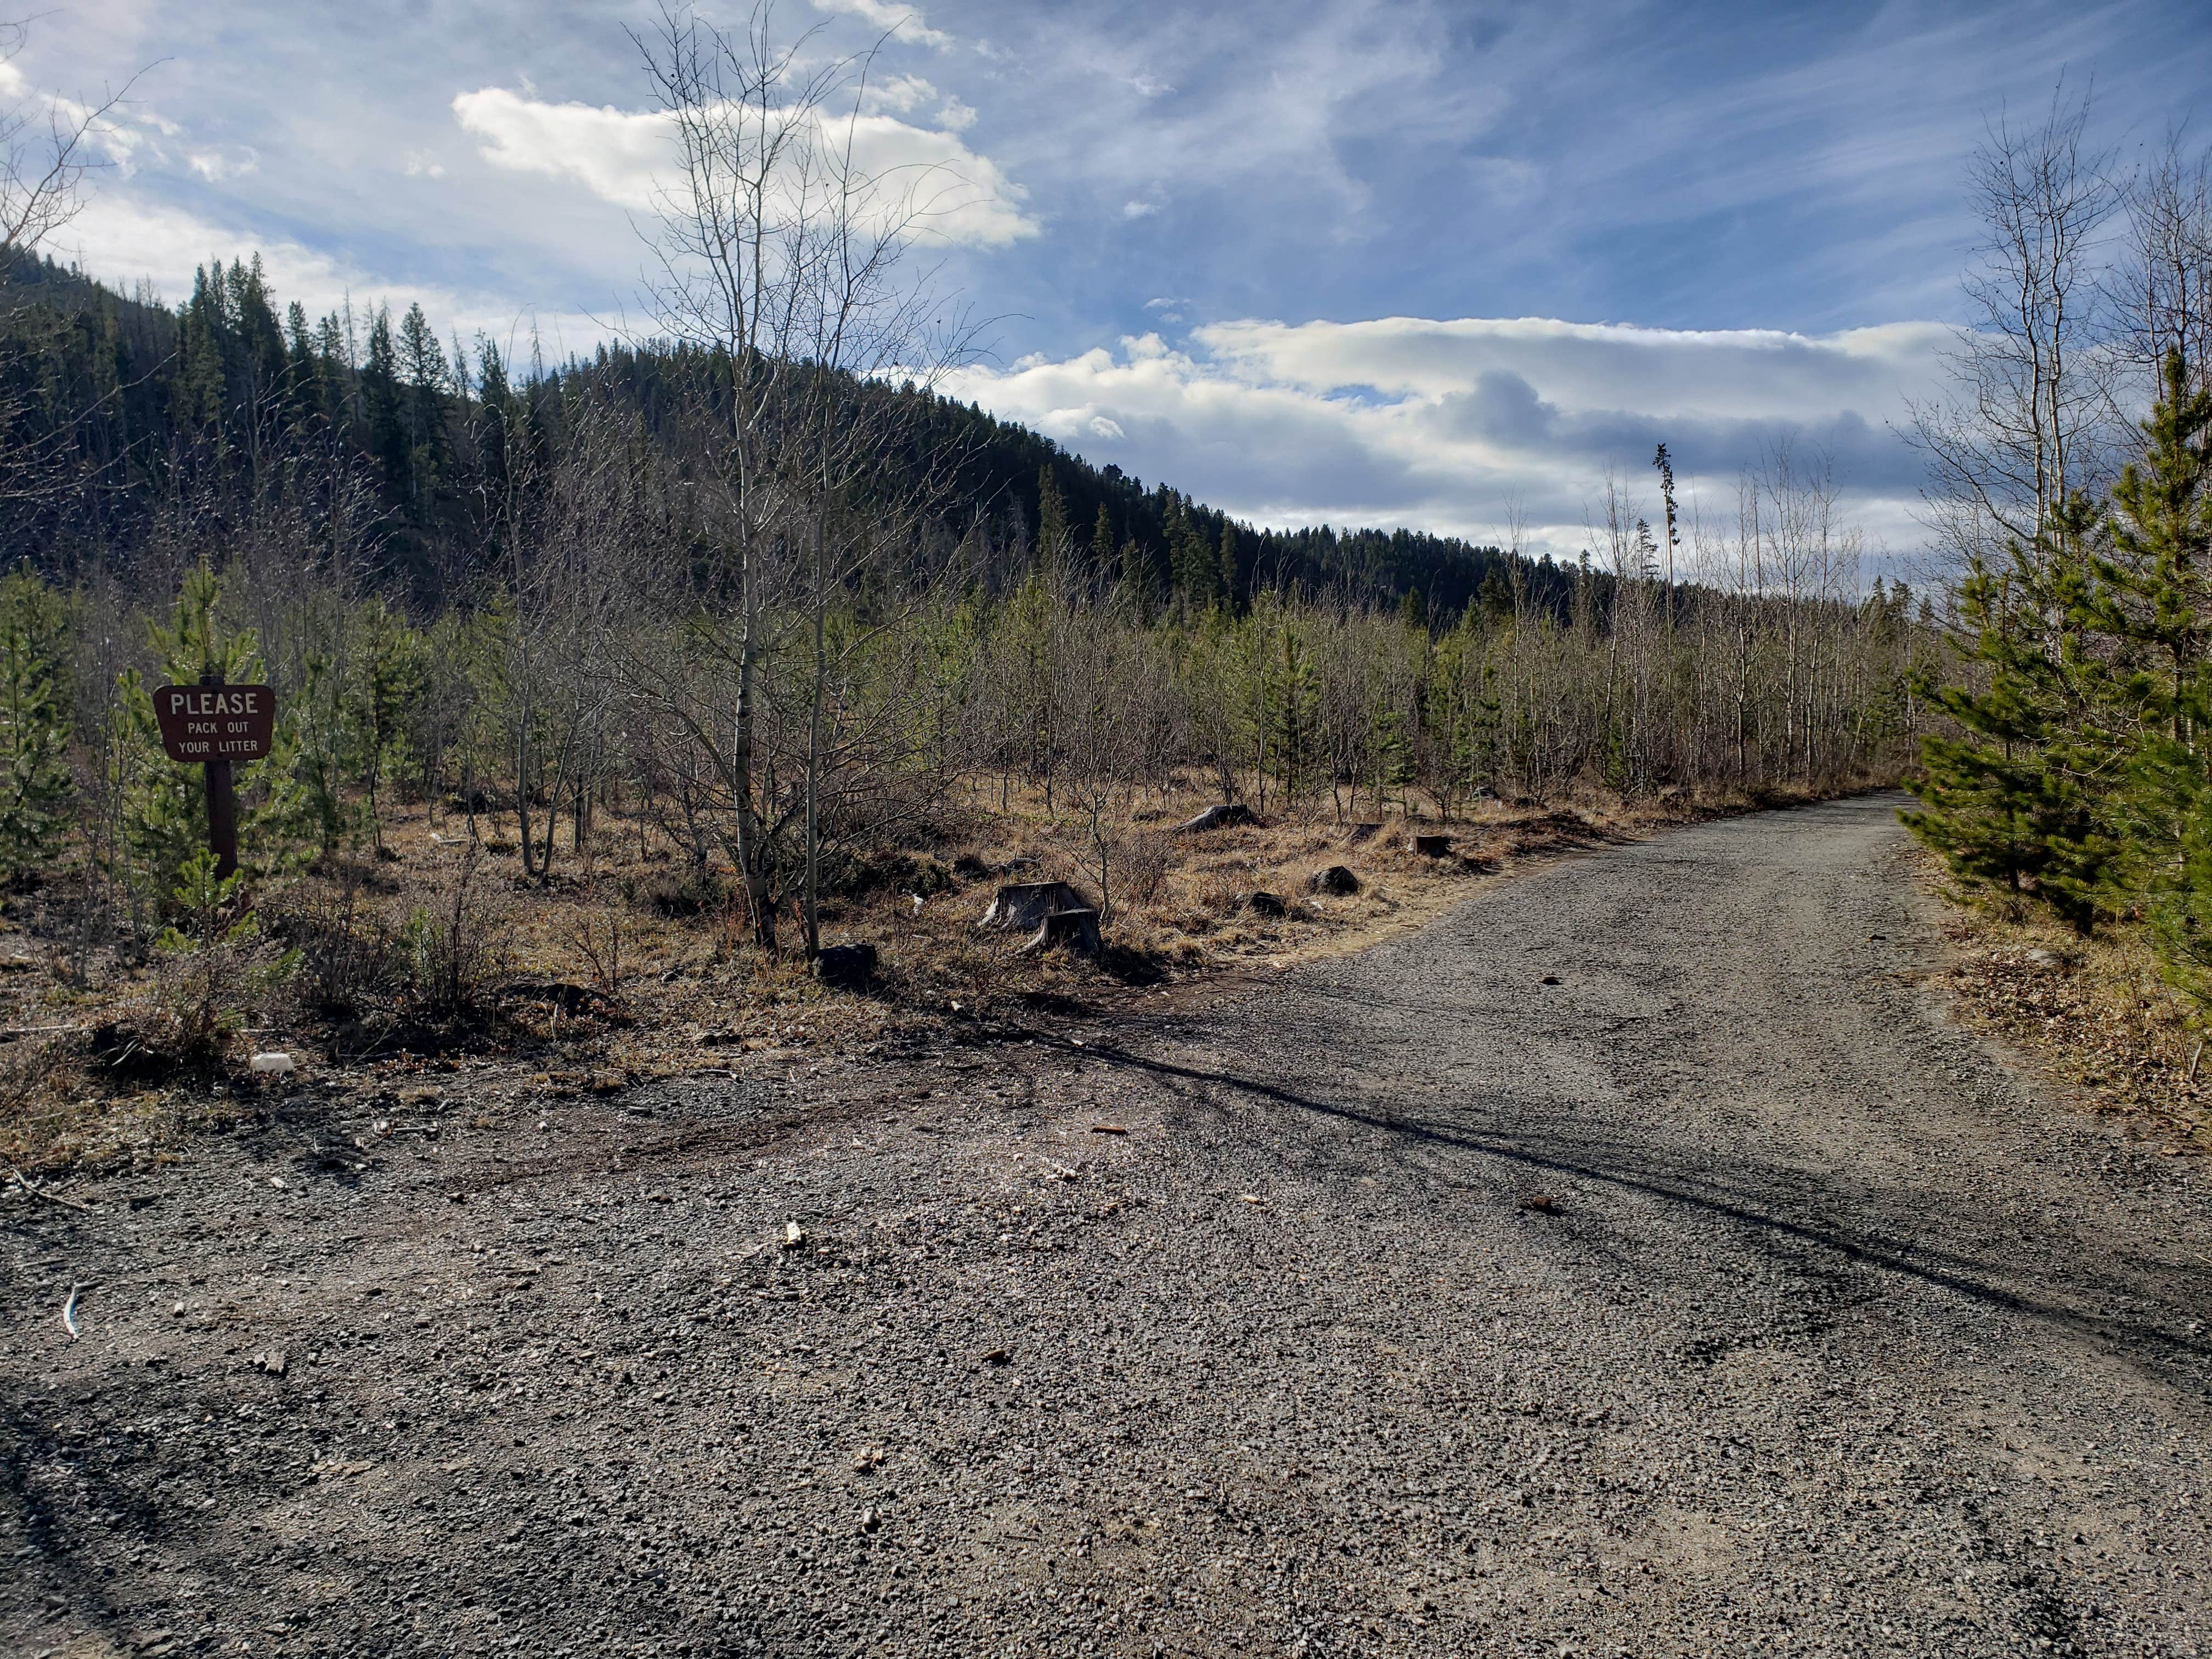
[626,157]
[901,23]
[1445,424]
[899,94]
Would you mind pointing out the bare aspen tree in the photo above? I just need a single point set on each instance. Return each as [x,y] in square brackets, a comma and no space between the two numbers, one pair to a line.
[780,267]
[46,149]
[2160,289]
[2031,419]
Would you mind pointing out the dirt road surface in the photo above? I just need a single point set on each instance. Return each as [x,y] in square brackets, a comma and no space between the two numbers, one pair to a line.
[1637,1262]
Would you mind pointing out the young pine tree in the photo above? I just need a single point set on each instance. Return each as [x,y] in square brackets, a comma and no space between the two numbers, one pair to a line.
[2154,596]
[35,784]
[2022,800]
[392,679]
[165,803]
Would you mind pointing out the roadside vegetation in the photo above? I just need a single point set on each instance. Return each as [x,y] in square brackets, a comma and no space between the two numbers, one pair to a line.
[2071,780]
[613,692]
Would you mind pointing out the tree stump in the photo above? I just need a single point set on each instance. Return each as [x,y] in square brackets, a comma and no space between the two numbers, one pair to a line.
[1430,847]
[1075,930]
[846,967]
[1216,817]
[1026,904]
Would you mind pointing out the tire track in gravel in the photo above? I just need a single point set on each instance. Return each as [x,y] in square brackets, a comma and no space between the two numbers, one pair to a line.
[1838,1335]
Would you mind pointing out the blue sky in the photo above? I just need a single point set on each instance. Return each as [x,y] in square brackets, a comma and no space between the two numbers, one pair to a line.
[1425,263]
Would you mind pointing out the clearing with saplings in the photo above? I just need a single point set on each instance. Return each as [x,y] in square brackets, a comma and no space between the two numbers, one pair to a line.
[687,978]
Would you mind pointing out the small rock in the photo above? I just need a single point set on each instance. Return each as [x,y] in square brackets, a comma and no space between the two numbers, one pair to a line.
[793,1235]
[277,1063]
[1336,881]
[1542,1203]
[999,1357]
[1270,905]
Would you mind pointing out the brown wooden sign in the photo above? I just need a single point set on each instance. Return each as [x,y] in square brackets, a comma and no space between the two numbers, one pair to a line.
[215,722]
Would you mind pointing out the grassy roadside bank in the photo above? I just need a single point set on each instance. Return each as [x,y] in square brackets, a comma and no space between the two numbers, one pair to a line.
[2093,1013]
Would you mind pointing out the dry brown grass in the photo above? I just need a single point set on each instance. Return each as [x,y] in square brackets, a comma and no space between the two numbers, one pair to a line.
[2093,1011]
[624,966]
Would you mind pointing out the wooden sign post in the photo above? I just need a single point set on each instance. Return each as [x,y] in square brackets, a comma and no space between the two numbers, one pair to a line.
[217,725]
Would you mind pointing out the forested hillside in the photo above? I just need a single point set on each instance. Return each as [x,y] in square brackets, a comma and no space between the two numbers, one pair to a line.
[137,414]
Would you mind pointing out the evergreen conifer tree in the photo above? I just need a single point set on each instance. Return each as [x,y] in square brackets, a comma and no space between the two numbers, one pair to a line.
[382,408]
[2154,595]
[2021,800]
[1054,541]
[423,374]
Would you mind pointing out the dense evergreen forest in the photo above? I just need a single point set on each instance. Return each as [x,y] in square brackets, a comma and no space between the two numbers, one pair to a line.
[143,419]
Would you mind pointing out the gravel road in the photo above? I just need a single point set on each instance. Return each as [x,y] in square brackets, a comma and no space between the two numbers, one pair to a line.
[1636,1261]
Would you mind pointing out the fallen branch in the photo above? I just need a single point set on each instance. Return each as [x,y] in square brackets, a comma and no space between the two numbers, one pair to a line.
[35,1190]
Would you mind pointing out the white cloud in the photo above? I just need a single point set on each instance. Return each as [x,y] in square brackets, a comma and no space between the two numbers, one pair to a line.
[617,154]
[901,23]
[215,165]
[125,240]
[898,94]
[626,157]
[903,94]
[1442,424]
[1134,210]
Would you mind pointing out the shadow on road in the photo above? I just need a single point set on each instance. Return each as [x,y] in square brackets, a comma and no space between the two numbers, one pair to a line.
[1972,1274]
